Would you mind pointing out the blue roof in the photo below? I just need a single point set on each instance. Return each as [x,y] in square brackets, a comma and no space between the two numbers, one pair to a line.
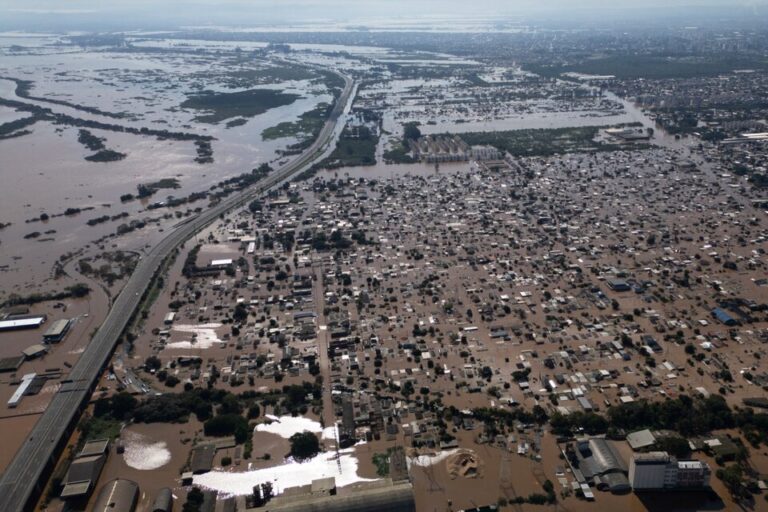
[724,317]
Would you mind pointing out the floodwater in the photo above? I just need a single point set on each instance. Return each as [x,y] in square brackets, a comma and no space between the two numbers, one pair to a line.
[47,167]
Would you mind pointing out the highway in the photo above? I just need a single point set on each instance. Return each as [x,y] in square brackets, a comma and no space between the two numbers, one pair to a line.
[25,478]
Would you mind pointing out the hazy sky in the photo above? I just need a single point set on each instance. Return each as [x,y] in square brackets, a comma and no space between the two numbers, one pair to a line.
[26,12]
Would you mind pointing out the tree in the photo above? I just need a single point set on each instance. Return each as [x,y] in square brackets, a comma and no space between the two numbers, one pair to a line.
[227,425]
[407,389]
[79,290]
[230,404]
[194,501]
[676,446]
[411,132]
[733,479]
[304,445]
[152,363]
[240,314]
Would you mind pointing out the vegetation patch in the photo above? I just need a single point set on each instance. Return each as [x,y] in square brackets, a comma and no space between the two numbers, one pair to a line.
[355,148]
[223,106]
[75,291]
[400,151]
[94,143]
[653,66]
[547,142]
[307,127]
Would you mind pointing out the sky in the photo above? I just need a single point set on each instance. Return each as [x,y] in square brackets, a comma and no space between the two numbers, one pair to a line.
[29,13]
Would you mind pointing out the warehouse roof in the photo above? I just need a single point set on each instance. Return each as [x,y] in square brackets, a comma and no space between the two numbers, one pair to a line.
[641,439]
[82,475]
[94,447]
[376,498]
[11,364]
[202,458]
[599,457]
[21,323]
[117,496]
[34,351]
[56,329]
[163,501]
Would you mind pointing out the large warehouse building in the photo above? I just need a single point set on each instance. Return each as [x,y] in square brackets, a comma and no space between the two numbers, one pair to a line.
[117,496]
[378,496]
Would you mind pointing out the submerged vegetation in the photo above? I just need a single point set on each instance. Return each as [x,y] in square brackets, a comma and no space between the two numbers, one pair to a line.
[75,291]
[546,142]
[624,65]
[223,106]
[307,127]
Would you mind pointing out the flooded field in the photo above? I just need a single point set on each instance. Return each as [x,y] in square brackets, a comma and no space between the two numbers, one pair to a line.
[136,91]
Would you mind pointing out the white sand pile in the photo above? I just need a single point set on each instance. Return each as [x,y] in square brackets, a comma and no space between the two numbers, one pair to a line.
[429,460]
[286,426]
[204,336]
[290,474]
[144,454]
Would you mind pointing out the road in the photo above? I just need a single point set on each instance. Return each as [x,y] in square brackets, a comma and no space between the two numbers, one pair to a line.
[25,478]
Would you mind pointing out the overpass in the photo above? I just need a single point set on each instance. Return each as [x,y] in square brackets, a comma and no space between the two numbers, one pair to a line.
[25,478]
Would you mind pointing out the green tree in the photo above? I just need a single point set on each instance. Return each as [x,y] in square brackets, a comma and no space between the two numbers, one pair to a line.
[304,445]
[122,405]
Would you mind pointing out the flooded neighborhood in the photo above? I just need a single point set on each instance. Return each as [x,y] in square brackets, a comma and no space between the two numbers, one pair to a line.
[478,267]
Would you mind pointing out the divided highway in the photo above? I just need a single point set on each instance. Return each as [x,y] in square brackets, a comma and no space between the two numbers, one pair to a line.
[24,480]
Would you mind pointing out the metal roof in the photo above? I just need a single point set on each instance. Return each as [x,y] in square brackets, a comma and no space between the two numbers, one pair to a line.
[56,329]
[641,439]
[163,501]
[117,496]
[76,489]
[603,459]
[20,323]
[34,350]
[391,498]
[95,447]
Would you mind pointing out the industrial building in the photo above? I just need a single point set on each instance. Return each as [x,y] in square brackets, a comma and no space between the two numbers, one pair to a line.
[163,501]
[34,351]
[11,364]
[84,471]
[378,496]
[57,331]
[82,476]
[26,381]
[117,496]
[202,459]
[601,465]
[618,285]
[724,317]
[660,471]
[21,322]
